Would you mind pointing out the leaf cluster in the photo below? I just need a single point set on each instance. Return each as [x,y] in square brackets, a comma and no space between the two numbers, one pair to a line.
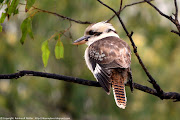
[11,8]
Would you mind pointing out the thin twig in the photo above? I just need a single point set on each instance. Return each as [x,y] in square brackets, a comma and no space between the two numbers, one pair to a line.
[64,17]
[176,12]
[176,32]
[168,95]
[120,5]
[161,13]
[68,29]
[122,8]
[59,15]
[134,4]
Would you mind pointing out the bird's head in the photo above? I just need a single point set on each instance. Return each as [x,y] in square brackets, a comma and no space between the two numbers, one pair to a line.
[96,32]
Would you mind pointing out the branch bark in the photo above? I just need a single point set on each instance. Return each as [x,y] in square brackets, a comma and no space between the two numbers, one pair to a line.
[166,95]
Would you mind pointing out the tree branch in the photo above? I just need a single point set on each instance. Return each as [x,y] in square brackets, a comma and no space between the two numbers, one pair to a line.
[121,2]
[59,15]
[135,3]
[176,8]
[166,95]
[128,5]
[173,20]
[160,92]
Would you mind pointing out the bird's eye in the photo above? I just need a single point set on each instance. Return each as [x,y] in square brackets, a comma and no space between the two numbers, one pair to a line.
[91,32]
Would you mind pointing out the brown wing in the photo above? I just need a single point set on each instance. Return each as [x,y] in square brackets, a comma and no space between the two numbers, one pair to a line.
[110,52]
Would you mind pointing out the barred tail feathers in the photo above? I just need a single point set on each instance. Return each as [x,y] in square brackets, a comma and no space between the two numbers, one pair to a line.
[119,77]
[119,93]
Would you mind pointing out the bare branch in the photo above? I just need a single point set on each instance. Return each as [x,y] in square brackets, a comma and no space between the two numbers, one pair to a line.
[168,95]
[176,32]
[59,15]
[176,7]
[132,4]
[161,13]
[128,5]
[49,75]
[120,5]
[175,21]
[151,79]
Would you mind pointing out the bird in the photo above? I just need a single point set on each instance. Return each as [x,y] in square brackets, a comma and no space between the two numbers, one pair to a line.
[108,57]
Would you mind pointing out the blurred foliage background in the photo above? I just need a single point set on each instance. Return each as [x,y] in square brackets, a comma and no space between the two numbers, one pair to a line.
[41,97]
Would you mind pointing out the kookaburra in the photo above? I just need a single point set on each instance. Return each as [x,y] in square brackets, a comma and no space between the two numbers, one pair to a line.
[109,59]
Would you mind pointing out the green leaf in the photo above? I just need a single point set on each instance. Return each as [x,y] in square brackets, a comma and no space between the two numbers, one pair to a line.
[3,16]
[29,28]
[23,37]
[59,50]
[45,52]
[26,28]
[29,4]
[12,7]
[16,11]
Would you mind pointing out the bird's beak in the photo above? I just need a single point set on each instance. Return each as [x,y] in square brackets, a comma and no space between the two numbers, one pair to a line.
[81,40]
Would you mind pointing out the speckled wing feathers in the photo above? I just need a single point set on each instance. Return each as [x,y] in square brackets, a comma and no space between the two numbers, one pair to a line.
[106,54]
[111,52]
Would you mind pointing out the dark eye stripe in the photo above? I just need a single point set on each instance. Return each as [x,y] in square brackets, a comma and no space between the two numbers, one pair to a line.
[91,32]
[94,33]
[98,33]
